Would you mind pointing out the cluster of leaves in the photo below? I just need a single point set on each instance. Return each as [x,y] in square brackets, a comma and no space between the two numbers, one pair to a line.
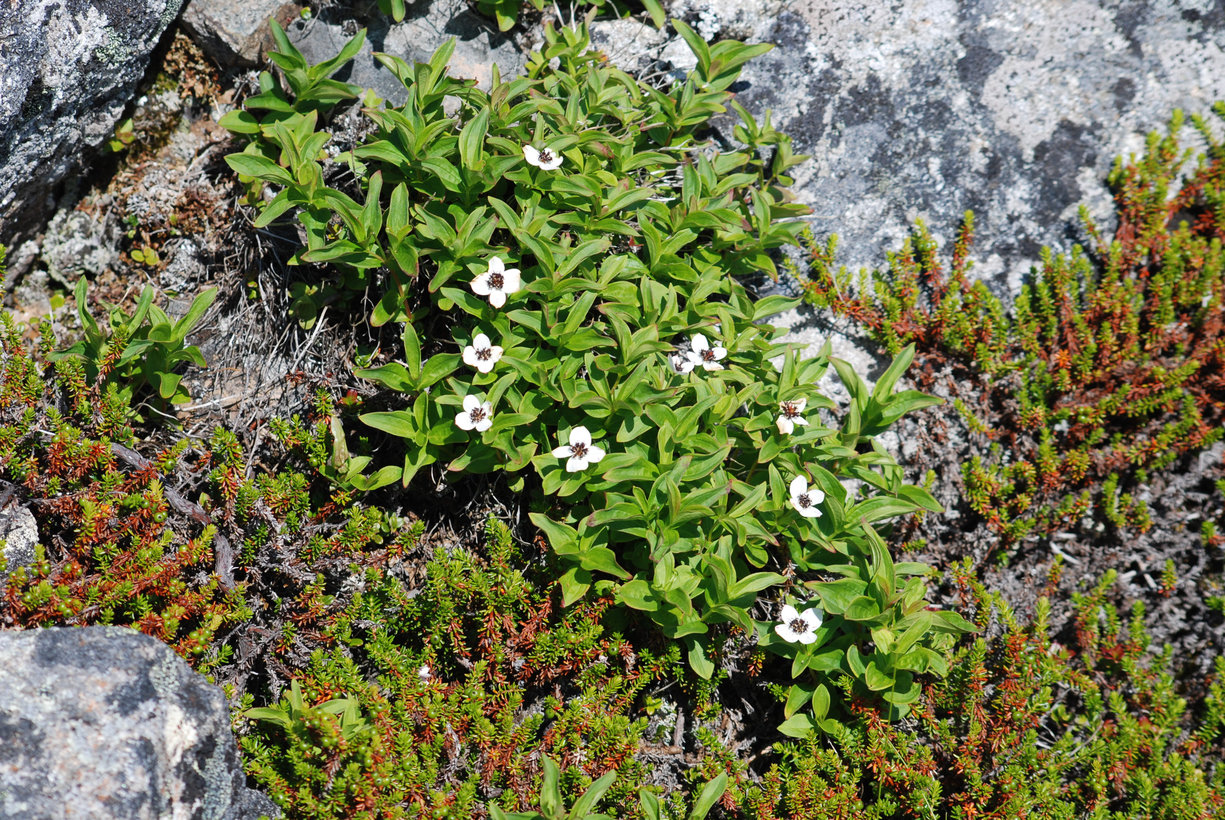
[1021,727]
[627,230]
[1109,364]
[136,355]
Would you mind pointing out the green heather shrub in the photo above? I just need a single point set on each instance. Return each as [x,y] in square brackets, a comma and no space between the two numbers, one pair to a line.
[563,253]
[1107,365]
[1021,727]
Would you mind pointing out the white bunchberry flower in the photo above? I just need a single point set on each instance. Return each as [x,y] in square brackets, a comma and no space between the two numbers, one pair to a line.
[496,282]
[680,364]
[580,451]
[477,415]
[703,355]
[789,415]
[804,499]
[798,627]
[481,354]
[544,159]
[423,673]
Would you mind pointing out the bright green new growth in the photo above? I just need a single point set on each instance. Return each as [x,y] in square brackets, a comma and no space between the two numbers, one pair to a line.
[579,221]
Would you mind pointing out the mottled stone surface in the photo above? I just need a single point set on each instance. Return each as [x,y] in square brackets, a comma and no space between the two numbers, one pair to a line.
[103,722]
[233,32]
[1014,109]
[18,532]
[478,45]
[67,69]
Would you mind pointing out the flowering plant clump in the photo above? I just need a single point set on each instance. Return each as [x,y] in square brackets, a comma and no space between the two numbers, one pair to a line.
[686,511]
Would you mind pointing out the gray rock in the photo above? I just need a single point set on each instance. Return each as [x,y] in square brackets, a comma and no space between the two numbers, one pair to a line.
[77,244]
[103,722]
[233,32]
[1012,108]
[478,45]
[18,535]
[67,70]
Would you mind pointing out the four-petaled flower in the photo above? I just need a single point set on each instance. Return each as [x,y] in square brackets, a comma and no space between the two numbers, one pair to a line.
[544,159]
[798,627]
[789,414]
[804,499]
[496,282]
[703,355]
[477,415]
[680,364]
[580,451]
[481,354]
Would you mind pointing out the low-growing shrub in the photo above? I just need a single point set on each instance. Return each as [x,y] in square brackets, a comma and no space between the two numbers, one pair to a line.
[563,253]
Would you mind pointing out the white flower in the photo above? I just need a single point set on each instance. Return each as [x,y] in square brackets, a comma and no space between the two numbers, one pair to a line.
[423,673]
[804,499]
[476,415]
[680,364]
[496,282]
[705,355]
[544,159]
[481,354]
[580,451]
[790,414]
[795,626]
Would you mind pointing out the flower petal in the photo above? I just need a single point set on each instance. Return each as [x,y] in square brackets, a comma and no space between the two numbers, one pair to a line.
[788,614]
[712,365]
[575,464]
[496,265]
[511,280]
[784,424]
[580,435]
[785,632]
[495,353]
[699,343]
[464,421]
[552,164]
[799,486]
[816,496]
[484,424]
[564,451]
[497,298]
[806,638]
[812,617]
[480,285]
[480,341]
[531,155]
[594,453]
[810,511]
[470,358]
[799,404]
[800,421]
[471,403]
[719,351]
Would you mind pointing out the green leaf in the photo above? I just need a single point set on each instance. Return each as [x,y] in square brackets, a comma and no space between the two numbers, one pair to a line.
[861,608]
[699,662]
[836,596]
[583,806]
[602,559]
[259,168]
[550,789]
[710,795]
[798,725]
[637,595]
[398,423]
[472,140]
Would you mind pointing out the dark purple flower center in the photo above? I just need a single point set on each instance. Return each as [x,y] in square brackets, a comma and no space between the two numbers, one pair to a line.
[578,450]
[789,410]
[799,626]
[546,156]
[803,500]
[496,281]
[708,355]
[477,414]
[483,353]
